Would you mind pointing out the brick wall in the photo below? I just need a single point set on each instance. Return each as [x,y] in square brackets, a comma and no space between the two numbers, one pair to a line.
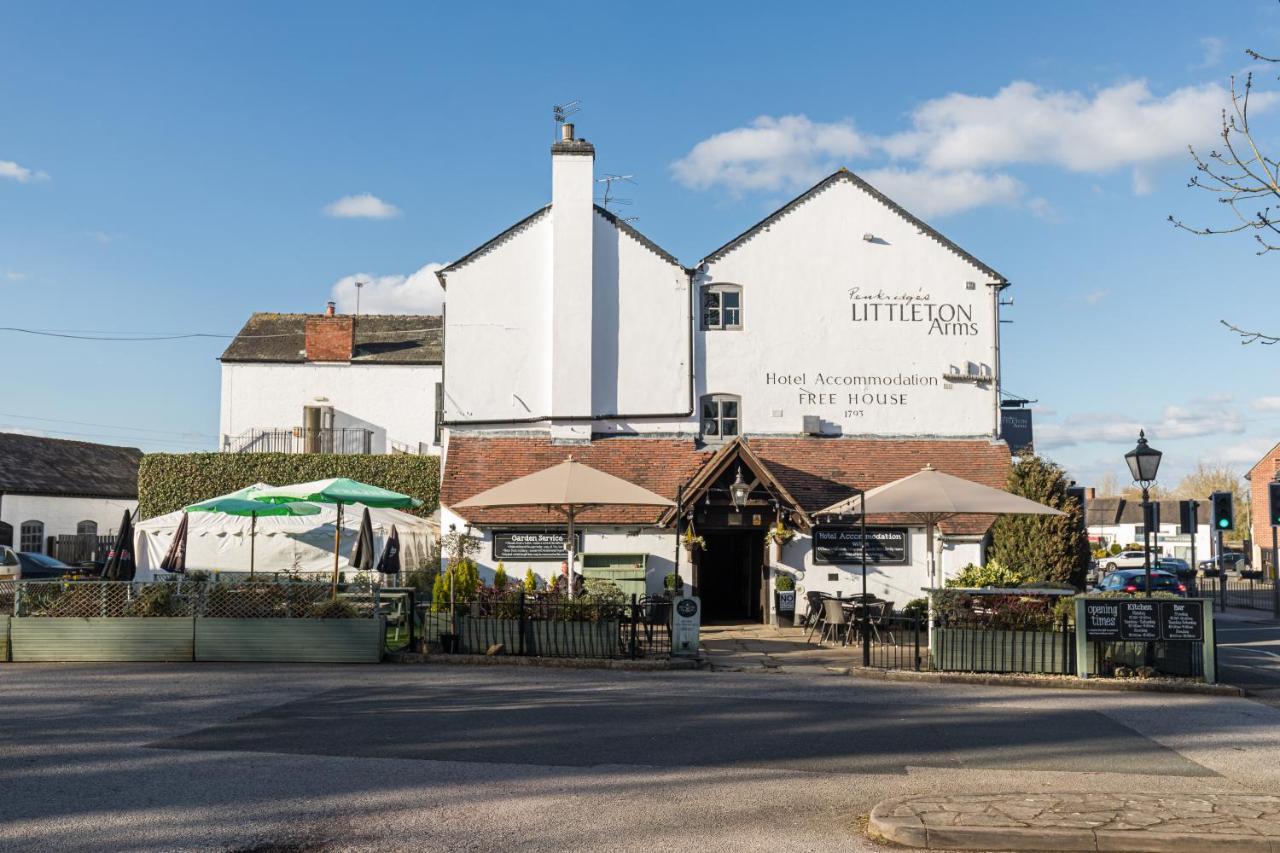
[330,338]
[1259,476]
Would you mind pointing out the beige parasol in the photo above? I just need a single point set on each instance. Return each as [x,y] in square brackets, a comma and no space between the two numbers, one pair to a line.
[568,488]
[931,496]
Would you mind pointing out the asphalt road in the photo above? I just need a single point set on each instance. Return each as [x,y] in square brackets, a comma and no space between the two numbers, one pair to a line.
[1249,654]
[222,757]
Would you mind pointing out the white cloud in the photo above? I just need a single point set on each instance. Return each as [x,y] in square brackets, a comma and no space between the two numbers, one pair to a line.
[102,238]
[419,293]
[1119,126]
[771,154]
[14,275]
[1213,48]
[21,174]
[1206,418]
[929,193]
[362,206]
[1265,404]
[1093,297]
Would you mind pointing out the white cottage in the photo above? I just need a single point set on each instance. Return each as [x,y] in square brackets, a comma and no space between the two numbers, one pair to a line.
[332,383]
[838,344]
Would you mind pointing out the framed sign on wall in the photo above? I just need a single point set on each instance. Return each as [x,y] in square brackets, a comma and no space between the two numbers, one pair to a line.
[886,546]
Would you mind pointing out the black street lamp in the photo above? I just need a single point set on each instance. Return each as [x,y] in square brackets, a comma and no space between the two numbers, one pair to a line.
[1144,463]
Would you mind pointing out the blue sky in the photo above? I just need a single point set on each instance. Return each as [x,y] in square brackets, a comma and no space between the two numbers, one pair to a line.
[173,167]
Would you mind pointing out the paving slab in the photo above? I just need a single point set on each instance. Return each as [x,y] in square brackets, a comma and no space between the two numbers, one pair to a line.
[1121,823]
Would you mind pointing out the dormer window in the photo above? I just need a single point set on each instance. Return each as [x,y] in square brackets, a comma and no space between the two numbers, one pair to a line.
[722,307]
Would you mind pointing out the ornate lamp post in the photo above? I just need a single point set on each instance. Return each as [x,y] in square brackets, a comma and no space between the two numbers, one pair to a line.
[1144,462]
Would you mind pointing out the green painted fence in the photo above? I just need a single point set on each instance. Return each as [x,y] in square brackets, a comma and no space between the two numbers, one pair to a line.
[123,638]
[289,640]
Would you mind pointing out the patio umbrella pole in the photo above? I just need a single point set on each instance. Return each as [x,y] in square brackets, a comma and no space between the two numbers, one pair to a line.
[253,540]
[929,522]
[337,546]
[570,548]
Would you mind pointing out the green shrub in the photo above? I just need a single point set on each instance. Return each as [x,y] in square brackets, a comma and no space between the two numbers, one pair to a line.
[993,574]
[672,581]
[170,481]
[1114,549]
[530,580]
[422,580]
[916,608]
[784,582]
[157,599]
[500,578]
[465,575]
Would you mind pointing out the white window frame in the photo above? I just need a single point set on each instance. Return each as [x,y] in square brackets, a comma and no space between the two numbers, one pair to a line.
[722,322]
[719,400]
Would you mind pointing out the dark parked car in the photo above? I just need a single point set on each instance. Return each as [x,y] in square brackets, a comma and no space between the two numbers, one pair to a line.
[29,566]
[1234,563]
[1135,580]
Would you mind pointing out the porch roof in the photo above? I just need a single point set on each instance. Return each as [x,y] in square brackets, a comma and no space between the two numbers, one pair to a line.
[809,473]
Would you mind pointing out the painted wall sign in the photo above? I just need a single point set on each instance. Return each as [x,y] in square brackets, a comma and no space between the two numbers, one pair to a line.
[533,546]
[886,546]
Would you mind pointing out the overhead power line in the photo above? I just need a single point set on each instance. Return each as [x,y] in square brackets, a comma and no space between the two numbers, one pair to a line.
[136,429]
[96,335]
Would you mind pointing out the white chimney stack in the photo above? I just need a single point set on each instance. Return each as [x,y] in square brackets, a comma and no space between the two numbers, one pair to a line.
[572,220]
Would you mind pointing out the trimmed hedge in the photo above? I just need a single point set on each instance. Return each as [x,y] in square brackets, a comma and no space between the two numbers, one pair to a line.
[170,481]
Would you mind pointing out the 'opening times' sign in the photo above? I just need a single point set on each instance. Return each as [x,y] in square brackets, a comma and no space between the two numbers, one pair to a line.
[1145,620]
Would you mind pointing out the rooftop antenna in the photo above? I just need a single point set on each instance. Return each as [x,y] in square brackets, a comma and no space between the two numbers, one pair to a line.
[609,199]
[560,112]
[359,286]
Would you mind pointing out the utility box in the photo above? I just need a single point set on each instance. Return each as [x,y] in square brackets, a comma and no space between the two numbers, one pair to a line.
[686,623]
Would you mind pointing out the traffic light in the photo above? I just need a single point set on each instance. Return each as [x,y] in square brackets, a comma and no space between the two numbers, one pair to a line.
[1189,516]
[1223,511]
[1273,495]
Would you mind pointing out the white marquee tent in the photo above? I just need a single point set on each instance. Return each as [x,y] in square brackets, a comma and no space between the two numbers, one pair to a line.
[218,542]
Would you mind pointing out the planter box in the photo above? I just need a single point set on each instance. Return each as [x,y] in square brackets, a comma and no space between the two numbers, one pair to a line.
[976,650]
[290,640]
[573,639]
[435,624]
[125,638]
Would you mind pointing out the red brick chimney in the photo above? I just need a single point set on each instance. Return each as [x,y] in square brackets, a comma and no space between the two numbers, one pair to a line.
[331,337]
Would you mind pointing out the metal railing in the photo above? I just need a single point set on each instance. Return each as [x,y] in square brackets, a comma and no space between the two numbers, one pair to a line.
[549,625]
[1246,593]
[347,441]
[963,644]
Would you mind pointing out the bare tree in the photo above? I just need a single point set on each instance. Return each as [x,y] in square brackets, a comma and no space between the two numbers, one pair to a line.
[1243,178]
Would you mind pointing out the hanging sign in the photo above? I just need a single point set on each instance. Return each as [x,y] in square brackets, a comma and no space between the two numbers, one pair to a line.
[886,546]
[532,546]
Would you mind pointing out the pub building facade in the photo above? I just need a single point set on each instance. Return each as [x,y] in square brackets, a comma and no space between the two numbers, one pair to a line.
[839,344]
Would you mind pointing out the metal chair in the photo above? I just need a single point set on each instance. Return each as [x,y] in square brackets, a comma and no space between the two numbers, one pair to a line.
[813,616]
[834,624]
[880,618]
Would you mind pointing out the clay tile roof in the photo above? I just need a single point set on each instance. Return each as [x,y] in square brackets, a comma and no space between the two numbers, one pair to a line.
[35,465]
[817,472]
[379,339]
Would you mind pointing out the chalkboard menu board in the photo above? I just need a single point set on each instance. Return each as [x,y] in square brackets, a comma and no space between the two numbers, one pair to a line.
[1102,620]
[886,546]
[1182,620]
[531,546]
[1144,620]
[1138,621]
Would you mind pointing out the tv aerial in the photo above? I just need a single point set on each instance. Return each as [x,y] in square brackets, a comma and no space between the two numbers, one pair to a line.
[560,112]
[610,199]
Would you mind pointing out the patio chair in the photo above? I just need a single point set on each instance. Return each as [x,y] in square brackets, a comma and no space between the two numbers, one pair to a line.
[880,618]
[813,616]
[834,623]
[655,610]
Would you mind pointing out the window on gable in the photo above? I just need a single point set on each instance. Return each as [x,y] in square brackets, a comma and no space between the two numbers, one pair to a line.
[87,528]
[722,307]
[32,537]
[721,418]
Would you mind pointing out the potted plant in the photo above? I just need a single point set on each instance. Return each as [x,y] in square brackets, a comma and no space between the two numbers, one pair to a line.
[693,542]
[784,599]
[673,584]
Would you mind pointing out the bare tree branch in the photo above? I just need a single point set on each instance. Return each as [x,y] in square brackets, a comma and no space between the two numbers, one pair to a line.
[1252,337]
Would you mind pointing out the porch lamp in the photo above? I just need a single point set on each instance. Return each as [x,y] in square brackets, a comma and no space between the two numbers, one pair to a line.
[1144,462]
[738,491]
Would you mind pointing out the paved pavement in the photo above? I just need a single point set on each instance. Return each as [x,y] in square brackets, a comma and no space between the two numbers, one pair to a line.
[210,757]
[1249,652]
